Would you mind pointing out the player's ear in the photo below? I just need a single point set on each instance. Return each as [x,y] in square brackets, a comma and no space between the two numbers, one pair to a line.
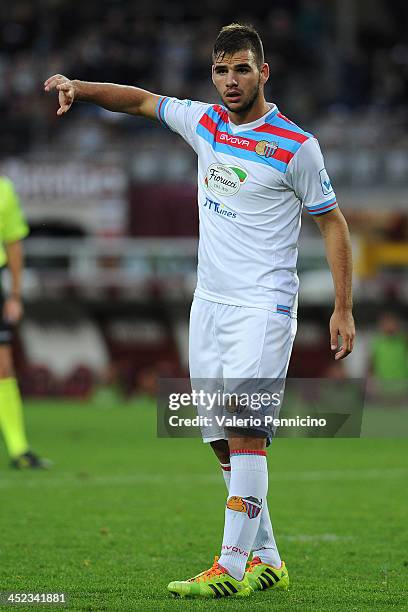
[212,73]
[264,73]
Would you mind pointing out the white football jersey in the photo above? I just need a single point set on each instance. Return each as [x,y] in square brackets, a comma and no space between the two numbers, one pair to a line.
[253,181]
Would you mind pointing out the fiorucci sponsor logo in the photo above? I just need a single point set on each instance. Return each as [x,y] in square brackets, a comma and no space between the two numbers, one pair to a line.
[225,180]
[219,208]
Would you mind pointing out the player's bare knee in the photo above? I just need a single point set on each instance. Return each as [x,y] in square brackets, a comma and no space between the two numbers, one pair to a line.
[248,441]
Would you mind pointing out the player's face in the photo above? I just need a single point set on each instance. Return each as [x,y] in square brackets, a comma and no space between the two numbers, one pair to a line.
[239,81]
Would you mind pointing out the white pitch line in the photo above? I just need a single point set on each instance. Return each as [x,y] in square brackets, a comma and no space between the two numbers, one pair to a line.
[28,480]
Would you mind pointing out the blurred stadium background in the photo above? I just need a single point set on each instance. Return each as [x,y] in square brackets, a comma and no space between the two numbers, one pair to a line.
[108,284]
[110,262]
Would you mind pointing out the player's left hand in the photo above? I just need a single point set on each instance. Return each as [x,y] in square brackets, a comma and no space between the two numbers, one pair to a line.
[342,324]
[12,310]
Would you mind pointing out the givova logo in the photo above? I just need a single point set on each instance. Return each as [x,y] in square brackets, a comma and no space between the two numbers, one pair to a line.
[220,209]
[225,180]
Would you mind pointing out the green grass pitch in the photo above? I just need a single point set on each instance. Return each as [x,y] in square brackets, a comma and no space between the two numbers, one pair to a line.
[122,513]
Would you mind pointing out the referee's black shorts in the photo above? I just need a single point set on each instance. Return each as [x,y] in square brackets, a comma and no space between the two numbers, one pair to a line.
[6,330]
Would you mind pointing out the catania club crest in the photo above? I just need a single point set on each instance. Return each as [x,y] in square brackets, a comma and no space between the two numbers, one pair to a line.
[265,148]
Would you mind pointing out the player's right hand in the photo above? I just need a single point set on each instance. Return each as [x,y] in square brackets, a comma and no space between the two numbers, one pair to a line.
[12,310]
[66,91]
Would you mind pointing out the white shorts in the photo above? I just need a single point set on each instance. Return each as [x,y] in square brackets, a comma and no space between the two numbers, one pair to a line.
[237,342]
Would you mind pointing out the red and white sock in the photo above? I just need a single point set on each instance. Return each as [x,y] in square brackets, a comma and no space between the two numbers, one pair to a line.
[247,495]
[226,472]
[264,545]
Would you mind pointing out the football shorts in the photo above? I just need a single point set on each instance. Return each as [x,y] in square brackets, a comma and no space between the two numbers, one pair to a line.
[237,349]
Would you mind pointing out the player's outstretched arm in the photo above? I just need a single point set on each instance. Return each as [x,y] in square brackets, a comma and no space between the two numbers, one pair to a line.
[333,227]
[117,98]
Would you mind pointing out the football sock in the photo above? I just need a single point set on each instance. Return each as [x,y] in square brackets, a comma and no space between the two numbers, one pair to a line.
[226,472]
[247,494]
[264,545]
[11,418]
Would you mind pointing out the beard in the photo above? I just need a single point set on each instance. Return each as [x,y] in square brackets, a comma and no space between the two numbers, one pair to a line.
[246,105]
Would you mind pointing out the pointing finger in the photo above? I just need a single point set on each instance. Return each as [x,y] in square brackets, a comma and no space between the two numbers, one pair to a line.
[54,81]
[52,84]
[51,78]
[63,109]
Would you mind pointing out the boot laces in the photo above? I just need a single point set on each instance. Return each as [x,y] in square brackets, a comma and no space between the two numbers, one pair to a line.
[253,563]
[214,570]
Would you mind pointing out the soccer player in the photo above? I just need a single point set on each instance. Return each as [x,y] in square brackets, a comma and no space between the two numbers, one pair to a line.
[256,171]
[13,229]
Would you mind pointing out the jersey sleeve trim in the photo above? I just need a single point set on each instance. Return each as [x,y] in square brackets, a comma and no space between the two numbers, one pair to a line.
[17,235]
[323,207]
[160,107]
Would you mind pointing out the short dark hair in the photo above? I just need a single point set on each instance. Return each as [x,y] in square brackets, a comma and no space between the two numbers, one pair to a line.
[237,37]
